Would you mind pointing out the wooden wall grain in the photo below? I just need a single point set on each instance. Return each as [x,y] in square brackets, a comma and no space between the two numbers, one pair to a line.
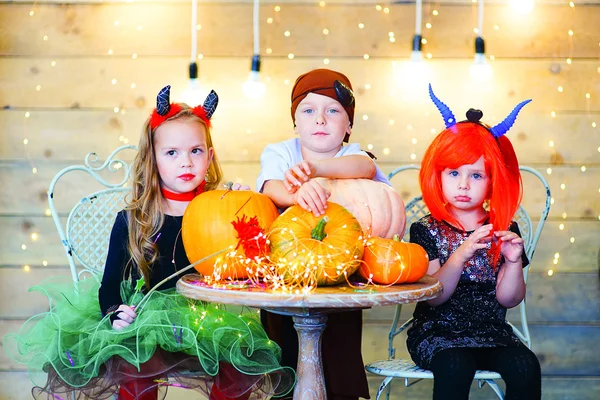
[59,102]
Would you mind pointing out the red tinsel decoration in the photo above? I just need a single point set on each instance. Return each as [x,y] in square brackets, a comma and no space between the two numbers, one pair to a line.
[251,237]
[156,119]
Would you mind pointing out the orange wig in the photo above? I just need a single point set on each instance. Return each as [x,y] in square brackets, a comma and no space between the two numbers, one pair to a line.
[465,143]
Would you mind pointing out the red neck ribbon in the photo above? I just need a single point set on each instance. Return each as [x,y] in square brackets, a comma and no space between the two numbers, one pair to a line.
[188,196]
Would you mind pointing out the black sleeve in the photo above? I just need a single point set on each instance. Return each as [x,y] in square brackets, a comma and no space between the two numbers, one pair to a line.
[514,227]
[419,234]
[109,294]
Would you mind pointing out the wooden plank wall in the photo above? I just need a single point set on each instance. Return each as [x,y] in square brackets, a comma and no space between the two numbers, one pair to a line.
[82,76]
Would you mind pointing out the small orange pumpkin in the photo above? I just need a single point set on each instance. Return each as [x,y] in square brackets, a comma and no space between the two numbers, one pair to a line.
[321,251]
[221,219]
[390,261]
[377,206]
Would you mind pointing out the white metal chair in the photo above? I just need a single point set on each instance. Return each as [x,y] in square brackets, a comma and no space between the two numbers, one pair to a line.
[402,368]
[86,234]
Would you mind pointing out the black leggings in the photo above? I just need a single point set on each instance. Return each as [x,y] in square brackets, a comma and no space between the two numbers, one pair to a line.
[454,369]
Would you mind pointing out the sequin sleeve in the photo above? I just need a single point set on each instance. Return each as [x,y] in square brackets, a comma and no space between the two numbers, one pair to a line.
[514,227]
[420,235]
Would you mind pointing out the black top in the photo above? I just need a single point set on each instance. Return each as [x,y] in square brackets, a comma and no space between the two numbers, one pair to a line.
[118,258]
[472,316]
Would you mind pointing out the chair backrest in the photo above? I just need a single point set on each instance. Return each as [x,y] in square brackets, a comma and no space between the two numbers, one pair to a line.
[86,233]
[416,209]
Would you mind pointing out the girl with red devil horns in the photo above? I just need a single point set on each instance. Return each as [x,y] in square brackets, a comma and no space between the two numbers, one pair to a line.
[94,342]
[477,254]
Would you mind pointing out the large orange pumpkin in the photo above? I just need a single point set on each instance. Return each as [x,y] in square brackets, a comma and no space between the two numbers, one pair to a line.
[309,250]
[390,261]
[208,227]
[377,206]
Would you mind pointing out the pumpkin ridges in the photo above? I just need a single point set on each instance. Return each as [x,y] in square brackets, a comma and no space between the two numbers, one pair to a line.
[206,226]
[328,273]
[346,240]
[336,226]
[380,259]
[404,262]
[426,256]
[388,270]
[398,209]
[380,201]
[333,228]
[373,209]
[387,260]
[368,207]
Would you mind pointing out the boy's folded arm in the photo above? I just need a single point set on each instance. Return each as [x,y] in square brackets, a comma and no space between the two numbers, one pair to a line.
[276,191]
[346,167]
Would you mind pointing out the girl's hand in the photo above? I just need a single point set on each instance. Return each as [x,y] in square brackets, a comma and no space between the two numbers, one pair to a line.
[125,316]
[511,245]
[298,175]
[238,186]
[477,240]
[312,197]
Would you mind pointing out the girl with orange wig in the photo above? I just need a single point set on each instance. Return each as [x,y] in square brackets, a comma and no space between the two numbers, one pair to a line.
[471,184]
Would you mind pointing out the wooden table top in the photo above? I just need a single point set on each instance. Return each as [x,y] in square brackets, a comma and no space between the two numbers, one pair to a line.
[334,298]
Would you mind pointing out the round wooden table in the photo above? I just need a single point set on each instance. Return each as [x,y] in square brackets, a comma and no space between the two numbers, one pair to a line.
[309,313]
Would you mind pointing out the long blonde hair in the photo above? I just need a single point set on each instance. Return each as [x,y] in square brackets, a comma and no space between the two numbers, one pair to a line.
[145,213]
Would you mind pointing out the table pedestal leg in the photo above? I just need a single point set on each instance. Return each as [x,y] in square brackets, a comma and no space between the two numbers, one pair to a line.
[311,382]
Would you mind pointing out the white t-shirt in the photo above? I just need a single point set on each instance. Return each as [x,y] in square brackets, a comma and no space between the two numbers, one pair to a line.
[279,157]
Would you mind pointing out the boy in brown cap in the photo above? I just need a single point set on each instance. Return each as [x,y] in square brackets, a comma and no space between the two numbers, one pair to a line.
[323,113]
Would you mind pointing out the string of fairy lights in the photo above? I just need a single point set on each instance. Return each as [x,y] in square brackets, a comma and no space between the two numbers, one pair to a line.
[271,15]
[301,267]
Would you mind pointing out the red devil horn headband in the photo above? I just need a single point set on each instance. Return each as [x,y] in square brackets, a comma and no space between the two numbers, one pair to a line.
[165,109]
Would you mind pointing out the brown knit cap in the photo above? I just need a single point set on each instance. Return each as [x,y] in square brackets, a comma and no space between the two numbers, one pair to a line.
[319,81]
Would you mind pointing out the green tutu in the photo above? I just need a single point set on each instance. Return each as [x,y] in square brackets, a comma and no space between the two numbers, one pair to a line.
[73,349]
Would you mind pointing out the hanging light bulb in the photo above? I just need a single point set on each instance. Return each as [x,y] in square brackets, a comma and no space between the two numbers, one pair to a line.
[414,75]
[194,94]
[480,70]
[254,88]
[417,54]
[522,6]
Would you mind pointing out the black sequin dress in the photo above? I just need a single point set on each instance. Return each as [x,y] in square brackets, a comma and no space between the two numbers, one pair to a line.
[472,316]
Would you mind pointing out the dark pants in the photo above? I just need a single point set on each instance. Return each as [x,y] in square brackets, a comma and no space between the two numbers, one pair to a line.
[454,369]
[343,367]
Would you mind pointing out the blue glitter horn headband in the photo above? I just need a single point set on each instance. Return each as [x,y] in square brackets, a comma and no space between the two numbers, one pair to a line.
[475,116]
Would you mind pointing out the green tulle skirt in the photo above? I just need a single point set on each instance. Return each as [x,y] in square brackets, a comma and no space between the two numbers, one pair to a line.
[73,349]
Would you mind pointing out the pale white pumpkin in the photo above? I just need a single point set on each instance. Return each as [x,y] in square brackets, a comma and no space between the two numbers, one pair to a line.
[378,207]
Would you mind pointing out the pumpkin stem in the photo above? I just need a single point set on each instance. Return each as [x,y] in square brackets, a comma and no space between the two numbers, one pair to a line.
[318,231]
[228,188]
[396,237]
